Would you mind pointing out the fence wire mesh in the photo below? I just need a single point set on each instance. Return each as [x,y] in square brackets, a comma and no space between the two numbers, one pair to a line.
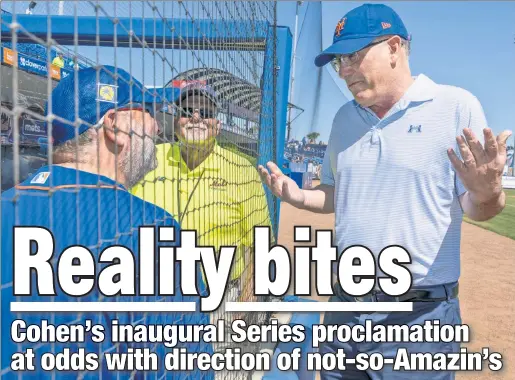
[79,140]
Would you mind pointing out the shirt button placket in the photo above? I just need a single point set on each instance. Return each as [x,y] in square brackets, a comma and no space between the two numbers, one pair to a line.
[375,135]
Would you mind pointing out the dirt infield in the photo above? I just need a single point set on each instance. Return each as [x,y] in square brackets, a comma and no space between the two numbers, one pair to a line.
[487,280]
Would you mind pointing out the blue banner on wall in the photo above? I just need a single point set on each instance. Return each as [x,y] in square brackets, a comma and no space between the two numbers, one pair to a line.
[33,65]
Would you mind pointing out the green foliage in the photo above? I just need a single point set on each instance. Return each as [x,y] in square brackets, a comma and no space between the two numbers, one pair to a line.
[313,136]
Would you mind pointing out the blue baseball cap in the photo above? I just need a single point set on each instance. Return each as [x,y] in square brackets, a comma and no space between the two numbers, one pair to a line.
[184,88]
[104,87]
[359,27]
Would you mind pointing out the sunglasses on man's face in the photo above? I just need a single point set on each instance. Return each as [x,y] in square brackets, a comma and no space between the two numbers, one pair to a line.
[204,113]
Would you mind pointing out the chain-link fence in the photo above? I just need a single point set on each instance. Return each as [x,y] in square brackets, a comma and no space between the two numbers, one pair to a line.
[92,92]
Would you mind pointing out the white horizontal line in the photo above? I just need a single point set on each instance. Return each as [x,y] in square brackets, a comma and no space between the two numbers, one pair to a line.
[74,307]
[319,306]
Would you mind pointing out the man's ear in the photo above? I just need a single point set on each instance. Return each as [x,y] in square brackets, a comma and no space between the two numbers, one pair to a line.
[111,132]
[395,49]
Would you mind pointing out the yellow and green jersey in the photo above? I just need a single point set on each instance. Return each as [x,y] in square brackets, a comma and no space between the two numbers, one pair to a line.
[222,198]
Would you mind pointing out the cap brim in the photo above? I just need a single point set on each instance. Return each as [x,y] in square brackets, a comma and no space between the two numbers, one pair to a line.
[161,95]
[342,47]
[198,91]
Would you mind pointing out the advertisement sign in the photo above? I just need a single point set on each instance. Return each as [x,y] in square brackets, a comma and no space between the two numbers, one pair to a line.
[33,128]
[55,72]
[181,83]
[32,65]
[8,56]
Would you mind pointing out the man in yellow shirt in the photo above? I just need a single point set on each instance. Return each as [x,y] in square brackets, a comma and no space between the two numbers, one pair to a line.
[59,60]
[212,190]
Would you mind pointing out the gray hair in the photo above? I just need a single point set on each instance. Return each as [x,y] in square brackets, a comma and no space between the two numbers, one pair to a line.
[78,148]
[134,163]
[406,45]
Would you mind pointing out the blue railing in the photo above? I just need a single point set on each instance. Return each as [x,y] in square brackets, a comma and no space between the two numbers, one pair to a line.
[40,52]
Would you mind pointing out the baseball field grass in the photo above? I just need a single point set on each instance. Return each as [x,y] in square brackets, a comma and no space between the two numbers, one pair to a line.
[504,223]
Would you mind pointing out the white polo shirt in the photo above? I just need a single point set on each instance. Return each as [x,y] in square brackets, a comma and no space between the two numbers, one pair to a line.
[394,183]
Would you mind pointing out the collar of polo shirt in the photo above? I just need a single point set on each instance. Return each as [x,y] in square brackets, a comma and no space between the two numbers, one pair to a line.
[174,158]
[422,90]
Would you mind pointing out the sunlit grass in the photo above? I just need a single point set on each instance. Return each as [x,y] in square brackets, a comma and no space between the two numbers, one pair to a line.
[504,223]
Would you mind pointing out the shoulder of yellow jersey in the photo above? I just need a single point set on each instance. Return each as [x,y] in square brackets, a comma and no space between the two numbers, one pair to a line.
[235,158]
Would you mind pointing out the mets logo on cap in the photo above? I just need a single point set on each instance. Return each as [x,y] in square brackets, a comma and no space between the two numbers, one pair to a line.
[107,93]
[340,26]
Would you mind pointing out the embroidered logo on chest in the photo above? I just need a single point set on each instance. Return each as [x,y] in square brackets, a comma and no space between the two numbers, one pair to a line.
[219,183]
[415,128]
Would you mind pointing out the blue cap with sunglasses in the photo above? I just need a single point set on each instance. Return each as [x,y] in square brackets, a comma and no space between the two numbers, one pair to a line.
[360,27]
[104,87]
[187,88]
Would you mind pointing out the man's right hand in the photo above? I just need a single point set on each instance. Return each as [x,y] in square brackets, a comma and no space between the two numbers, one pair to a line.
[281,185]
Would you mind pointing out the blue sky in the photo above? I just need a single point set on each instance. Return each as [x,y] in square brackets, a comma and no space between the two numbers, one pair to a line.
[466,44]
[463,43]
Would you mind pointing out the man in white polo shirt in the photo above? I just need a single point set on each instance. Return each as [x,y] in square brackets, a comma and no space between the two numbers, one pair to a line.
[406,159]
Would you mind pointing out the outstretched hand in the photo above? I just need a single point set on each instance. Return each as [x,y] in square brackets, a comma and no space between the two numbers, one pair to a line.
[482,167]
[281,185]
